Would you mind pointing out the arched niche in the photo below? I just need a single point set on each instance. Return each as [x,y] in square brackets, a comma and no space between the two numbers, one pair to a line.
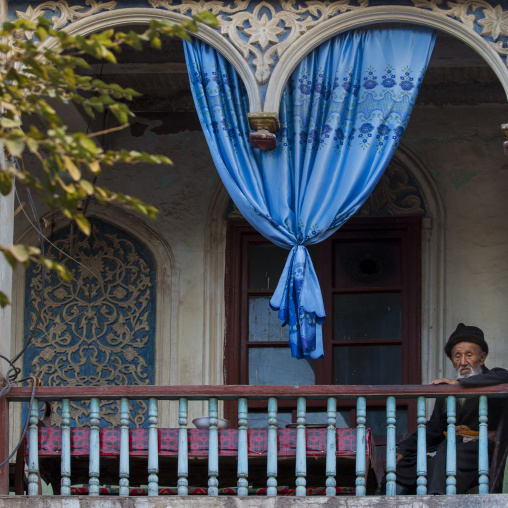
[167,293]
[369,16]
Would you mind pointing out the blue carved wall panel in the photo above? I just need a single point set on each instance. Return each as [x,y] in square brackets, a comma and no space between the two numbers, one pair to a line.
[98,329]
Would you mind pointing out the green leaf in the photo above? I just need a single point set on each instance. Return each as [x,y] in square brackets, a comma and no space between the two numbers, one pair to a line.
[61,270]
[82,223]
[85,142]
[72,168]
[8,123]
[4,300]
[20,252]
[6,180]
[69,77]
[87,187]
[207,18]
[121,112]
[15,146]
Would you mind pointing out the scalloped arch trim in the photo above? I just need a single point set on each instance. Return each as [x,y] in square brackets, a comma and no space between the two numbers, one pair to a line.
[141,15]
[368,16]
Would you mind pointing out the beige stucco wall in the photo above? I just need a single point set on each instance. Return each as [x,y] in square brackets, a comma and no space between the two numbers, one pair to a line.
[462,149]
[182,193]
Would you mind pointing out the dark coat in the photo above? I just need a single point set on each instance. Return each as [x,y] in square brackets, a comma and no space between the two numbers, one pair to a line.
[467,412]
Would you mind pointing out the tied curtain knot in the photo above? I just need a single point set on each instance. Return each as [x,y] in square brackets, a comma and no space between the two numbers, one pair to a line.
[300,304]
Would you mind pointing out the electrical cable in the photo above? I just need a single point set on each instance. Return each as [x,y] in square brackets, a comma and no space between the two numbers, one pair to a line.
[27,421]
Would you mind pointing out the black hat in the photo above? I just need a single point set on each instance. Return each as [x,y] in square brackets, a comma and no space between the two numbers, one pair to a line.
[465,333]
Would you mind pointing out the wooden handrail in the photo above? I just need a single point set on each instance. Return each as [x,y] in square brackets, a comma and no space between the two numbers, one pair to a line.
[233,392]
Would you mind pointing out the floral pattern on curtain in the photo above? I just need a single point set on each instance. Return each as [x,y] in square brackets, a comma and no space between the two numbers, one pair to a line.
[343,113]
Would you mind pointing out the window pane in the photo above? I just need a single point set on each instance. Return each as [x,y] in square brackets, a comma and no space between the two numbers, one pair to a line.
[260,420]
[368,316]
[343,418]
[367,365]
[367,263]
[266,262]
[264,323]
[275,366]
[376,421]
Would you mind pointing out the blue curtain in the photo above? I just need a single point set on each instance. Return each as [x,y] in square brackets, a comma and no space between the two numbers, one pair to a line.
[343,113]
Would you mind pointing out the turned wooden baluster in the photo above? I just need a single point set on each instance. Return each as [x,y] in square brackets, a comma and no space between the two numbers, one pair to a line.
[271,467]
[153,448]
[483,456]
[301,448]
[391,413]
[213,449]
[124,447]
[183,449]
[421,457]
[33,450]
[451,454]
[65,467]
[243,465]
[361,413]
[94,466]
[331,447]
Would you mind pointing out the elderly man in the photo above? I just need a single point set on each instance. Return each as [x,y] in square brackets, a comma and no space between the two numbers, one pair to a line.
[467,351]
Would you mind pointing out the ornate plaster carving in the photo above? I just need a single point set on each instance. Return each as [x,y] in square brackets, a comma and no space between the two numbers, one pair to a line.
[67,13]
[262,31]
[394,195]
[492,20]
[98,328]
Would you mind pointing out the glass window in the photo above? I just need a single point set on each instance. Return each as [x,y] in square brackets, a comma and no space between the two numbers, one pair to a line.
[266,263]
[367,316]
[343,418]
[259,420]
[367,263]
[367,365]
[275,366]
[376,421]
[264,323]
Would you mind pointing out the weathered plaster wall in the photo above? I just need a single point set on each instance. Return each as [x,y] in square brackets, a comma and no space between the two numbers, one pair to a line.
[462,148]
[182,193]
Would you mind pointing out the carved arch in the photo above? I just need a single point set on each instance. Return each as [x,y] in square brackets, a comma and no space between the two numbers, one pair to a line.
[166,276]
[363,17]
[140,15]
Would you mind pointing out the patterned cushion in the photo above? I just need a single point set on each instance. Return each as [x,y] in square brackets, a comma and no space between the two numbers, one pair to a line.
[50,442]
[113,490]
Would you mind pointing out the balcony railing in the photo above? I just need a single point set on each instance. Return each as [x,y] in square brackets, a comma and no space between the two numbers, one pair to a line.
[236,449]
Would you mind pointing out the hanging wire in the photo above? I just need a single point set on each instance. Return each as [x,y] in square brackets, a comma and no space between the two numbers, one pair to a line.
[27,419]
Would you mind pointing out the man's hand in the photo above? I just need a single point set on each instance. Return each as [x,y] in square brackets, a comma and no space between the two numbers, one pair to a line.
[444,381]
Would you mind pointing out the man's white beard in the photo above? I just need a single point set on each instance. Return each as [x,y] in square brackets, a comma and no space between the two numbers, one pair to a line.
[471,372]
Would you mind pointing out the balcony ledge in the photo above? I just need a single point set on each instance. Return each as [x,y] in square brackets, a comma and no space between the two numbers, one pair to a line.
[464,501]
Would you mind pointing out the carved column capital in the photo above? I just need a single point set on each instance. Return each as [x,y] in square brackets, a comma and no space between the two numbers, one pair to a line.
[265,125]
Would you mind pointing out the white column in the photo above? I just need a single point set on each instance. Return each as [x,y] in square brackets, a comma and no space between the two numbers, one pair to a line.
[6,238]
[6,235]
